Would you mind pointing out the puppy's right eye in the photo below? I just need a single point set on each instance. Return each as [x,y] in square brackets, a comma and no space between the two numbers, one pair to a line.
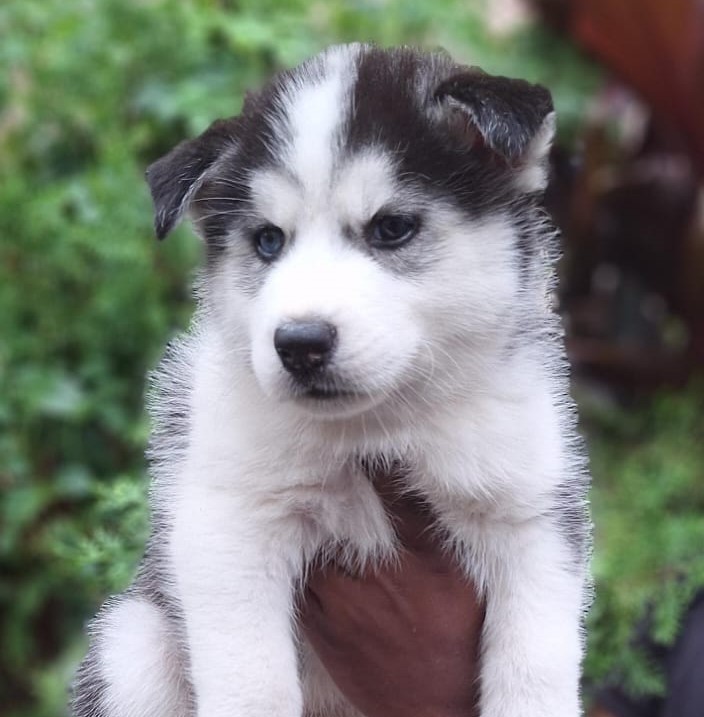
[269,241]
[389,231]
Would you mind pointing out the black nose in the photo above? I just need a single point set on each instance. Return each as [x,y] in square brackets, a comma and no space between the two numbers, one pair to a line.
[305,346]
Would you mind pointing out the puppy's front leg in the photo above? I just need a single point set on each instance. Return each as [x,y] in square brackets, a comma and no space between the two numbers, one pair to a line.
[235,577]
[532,642]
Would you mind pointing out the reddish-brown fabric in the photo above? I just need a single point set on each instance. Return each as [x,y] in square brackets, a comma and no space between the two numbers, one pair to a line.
[657,47]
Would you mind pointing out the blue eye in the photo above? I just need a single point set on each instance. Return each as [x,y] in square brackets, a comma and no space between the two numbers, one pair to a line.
[269,241]
[391,230]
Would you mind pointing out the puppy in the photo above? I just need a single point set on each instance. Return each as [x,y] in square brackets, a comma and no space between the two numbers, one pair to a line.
[377,289]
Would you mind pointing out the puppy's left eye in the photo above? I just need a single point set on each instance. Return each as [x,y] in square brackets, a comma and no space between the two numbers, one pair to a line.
[389,231]
[269,241]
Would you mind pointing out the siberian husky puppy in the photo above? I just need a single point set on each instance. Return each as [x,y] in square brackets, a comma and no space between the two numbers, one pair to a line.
[377,290]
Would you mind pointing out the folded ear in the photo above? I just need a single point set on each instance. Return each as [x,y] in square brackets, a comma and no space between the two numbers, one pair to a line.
[177,176]
[514,118]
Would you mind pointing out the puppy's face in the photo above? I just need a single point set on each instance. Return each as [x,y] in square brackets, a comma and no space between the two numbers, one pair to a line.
[362,219]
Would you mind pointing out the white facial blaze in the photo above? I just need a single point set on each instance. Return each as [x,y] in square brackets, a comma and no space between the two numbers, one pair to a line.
[315,113]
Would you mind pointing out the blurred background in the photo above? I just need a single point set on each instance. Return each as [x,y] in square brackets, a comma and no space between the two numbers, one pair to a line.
[91,91]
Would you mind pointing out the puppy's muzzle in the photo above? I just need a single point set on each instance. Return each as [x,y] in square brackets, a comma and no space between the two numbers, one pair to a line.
[305,347]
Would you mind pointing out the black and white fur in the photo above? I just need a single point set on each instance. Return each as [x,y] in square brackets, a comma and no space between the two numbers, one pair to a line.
[448,360]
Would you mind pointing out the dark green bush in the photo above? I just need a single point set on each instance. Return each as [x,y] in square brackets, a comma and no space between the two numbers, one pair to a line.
[648,502]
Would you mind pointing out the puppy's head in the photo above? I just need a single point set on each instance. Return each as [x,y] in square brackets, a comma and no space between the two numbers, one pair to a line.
[363,219]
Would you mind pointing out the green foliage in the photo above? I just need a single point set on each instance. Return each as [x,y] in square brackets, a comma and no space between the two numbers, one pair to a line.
[648,501]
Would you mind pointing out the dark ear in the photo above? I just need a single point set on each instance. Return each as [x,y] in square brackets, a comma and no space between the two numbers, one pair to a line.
[174,179]
[514,118]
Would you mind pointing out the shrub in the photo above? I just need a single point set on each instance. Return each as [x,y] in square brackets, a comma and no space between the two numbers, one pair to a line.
[648,502]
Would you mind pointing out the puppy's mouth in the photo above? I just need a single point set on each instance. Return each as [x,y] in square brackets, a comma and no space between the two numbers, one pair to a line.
[328,391]
[325,392]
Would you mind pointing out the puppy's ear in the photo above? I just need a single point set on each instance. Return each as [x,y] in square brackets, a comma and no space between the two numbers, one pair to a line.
[177,176]
[515,119]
